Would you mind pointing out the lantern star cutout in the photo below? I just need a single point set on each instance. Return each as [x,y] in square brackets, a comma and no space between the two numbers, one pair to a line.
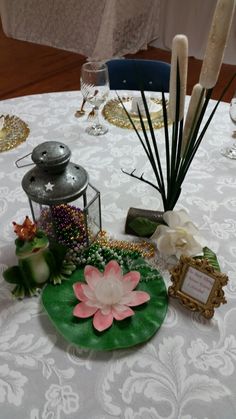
[49,186]
[71,180]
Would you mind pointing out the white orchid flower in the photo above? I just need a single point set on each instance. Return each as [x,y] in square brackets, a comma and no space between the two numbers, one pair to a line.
[179,237]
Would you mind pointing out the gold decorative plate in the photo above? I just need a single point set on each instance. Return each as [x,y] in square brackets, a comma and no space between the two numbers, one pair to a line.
[13,132]
[114,113]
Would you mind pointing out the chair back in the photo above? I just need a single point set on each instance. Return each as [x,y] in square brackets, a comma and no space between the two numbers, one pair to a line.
[132,74]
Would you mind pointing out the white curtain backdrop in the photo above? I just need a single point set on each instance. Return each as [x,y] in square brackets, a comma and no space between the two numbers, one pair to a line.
[192,18]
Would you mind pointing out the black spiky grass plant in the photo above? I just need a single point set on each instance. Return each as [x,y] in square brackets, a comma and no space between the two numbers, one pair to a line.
[180,145]
[177,158]
[183,137]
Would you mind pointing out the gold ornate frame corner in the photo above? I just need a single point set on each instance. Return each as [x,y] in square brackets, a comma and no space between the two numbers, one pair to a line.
[216,295]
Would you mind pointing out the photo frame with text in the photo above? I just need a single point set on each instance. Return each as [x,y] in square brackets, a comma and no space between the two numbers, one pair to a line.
[197,285]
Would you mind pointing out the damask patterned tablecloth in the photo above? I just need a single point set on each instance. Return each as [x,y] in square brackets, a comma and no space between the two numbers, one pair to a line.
[187,370]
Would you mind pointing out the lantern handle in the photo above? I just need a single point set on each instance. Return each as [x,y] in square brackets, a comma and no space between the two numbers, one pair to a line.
[22,158]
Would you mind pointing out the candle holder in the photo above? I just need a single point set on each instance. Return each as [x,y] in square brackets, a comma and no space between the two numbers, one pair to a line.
[62,201]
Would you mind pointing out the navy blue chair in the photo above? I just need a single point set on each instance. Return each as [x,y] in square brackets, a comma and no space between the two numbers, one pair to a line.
[132,74]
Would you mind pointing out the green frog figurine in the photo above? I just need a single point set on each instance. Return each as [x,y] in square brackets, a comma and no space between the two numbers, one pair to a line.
[36,262]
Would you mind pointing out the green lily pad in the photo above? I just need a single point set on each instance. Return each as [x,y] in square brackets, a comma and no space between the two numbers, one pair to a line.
[59,302]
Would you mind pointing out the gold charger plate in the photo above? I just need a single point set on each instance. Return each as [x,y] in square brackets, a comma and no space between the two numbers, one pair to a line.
[13,132]
[114,113]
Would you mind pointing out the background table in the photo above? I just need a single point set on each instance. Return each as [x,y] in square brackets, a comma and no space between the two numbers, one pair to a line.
[97,29]
[107,28]
[187,370]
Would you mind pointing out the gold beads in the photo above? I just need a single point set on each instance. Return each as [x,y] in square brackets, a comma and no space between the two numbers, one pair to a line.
[147,250]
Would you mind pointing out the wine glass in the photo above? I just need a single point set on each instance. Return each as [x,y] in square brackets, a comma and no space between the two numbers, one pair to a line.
[230,152]
[94,84]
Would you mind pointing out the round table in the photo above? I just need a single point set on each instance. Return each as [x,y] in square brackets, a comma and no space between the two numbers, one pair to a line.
[187,370]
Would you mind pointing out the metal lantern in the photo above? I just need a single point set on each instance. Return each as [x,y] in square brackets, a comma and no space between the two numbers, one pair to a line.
[63,202]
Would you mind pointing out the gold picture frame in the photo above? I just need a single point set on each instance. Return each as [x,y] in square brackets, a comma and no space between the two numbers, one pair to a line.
[197,285]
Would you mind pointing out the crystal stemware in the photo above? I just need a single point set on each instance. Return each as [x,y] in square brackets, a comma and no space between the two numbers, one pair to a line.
[230,152]
[95,88]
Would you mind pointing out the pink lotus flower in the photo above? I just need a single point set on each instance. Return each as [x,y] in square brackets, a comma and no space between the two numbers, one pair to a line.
[108,295]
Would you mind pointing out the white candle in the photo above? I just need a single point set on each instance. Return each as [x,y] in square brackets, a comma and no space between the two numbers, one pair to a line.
[216,43]
[194,109]
[137,103]
[180,53]
[2,122]
[2,130]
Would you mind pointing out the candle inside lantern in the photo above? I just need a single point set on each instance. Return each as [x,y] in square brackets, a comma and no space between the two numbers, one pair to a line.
[216,43]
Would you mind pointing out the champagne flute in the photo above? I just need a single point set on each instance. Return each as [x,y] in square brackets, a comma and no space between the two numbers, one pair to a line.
[230,152]
[94,84]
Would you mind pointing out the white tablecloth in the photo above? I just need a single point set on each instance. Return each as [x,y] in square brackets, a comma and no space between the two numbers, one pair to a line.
[97,29]
[187,370]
